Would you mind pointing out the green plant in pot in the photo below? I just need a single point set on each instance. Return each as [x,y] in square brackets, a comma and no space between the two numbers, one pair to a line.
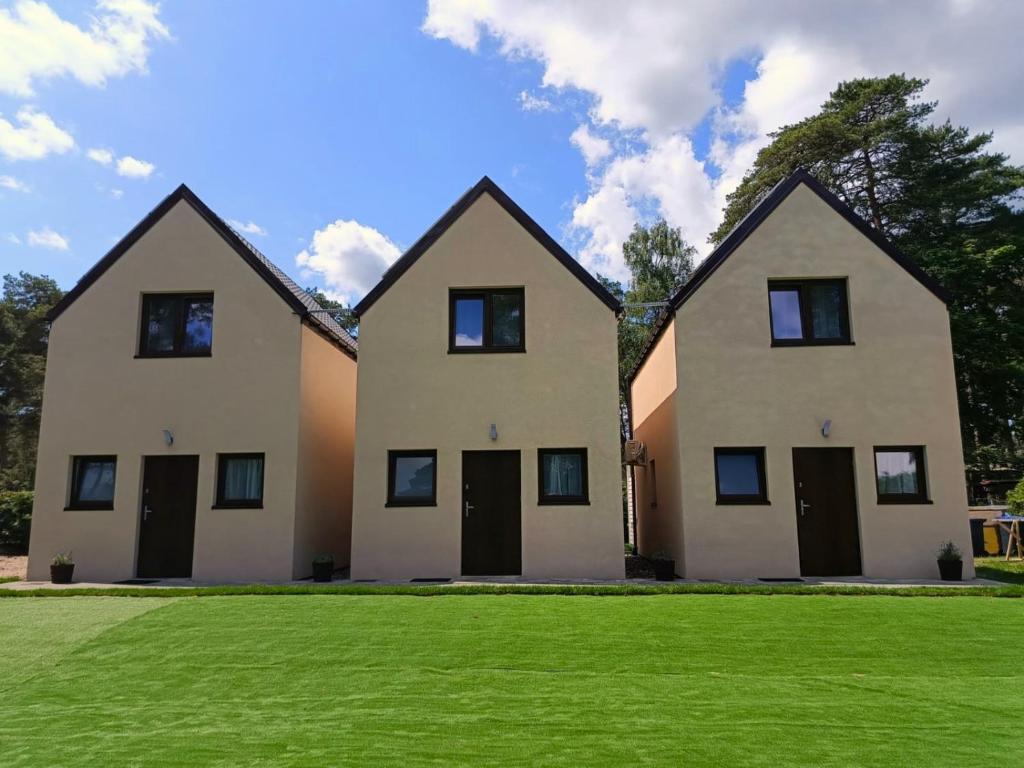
[951,562]
[323,567]
[664,566]
[62,567]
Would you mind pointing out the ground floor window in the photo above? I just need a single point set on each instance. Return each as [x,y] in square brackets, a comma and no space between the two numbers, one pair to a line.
[562,476]
[740,476]
[92,482]
[899,474]
[240,480]
[412,478]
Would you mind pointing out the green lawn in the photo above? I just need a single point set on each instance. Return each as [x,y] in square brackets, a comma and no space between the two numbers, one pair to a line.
[309,680]
[1000,569]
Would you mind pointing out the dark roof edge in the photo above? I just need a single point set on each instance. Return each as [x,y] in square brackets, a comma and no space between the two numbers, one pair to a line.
[452,214]
[771,201]
[218,225]
[752,221]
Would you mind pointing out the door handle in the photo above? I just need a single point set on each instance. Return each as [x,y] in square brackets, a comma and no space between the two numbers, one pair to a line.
[146,511]
[468,508]
[804,506]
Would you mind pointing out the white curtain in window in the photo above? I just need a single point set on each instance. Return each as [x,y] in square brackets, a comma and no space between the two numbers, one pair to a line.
[243,478]
[897,472]
[563,475]
[97,481]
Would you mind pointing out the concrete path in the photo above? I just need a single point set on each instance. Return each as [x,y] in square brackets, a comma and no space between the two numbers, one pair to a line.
[846,582]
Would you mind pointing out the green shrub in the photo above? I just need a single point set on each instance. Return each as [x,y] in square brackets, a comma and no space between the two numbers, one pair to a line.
[1015,499]
[15,518]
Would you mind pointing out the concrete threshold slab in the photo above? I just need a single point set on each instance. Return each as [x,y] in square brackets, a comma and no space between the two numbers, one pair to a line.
[493,581]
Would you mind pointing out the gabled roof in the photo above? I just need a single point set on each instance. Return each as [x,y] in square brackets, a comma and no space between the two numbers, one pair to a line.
[752,221]
[304,305]
[461,206]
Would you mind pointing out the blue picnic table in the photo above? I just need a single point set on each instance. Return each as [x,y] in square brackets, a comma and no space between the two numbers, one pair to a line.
[1011,524]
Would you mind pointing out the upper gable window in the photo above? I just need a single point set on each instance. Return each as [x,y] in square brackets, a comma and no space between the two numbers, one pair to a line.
[808,312]
[486,320]
[176,325]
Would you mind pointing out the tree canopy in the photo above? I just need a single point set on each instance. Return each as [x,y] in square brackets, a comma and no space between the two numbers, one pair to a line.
[659,261]
[24,332]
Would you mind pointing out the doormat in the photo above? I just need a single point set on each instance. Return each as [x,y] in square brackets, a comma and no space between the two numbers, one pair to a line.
[781,579]
[137,582]
[430,581]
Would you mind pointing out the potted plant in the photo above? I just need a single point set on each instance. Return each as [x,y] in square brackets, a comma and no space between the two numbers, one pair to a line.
[61,568]
[664,566]
[951,562]
[323,567]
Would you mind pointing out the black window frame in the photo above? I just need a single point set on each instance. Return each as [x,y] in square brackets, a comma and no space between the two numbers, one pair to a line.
[545,499]
[181,301]
[762,477]
[77,470]
[411,501]
[487,295]
[802,287]
[222,468]
[921,497]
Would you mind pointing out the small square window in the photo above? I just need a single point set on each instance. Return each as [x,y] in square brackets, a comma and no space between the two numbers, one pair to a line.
[740,476]
[412,478]
[899,475]
[92,482]
[562,476]
[240,480]
[808,312]
[176,325]
[486,320]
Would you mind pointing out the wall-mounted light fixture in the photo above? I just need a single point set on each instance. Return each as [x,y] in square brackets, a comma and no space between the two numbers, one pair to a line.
[168,437]
[494,432]
[826,427]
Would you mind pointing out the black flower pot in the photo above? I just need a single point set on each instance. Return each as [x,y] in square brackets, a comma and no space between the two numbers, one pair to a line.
[665,570]
[951,570]
[61,574]
[323,571]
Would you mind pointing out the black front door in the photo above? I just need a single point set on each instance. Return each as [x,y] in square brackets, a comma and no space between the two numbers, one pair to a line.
[826,512]
[168,527]
[491,513]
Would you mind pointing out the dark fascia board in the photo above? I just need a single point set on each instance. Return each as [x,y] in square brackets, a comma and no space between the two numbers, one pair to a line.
[753,220]
[211,218]
[452,214]
[765,208]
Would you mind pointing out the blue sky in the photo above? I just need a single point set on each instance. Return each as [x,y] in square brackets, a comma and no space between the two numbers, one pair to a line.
[343,130]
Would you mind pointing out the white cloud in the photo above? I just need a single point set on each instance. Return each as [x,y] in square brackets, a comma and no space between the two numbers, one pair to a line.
[247,228]
[37,137]
[47,238]
[37,45]
[9,182]
[531,103]
[666,180]
[134,168]
[654,72]
[101,156]
[12,238]
[350,258]
[593,147]
[117,194]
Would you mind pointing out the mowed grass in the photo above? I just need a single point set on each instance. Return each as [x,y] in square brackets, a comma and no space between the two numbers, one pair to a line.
[484,680]
[1000,569]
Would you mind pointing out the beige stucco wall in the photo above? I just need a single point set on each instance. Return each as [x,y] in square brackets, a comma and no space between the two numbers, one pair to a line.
[655,423]
[327,426]
[560,393]
[894,386]
[99,399]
